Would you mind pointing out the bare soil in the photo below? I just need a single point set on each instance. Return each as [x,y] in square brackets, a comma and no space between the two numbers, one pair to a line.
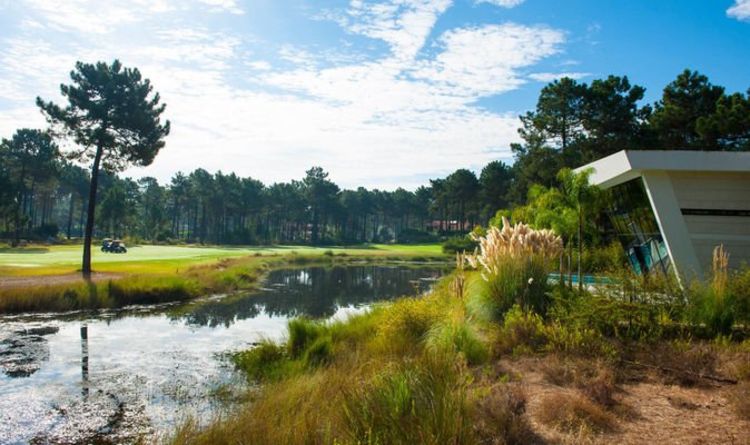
[648,410]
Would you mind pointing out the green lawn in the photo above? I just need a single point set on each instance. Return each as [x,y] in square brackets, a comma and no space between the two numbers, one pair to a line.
[164,259]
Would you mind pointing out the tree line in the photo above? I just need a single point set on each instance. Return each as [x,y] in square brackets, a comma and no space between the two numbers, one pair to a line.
[47,196]
[44,194]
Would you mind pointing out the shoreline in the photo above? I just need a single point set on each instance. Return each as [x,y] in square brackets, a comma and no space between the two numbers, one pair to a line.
[65,292]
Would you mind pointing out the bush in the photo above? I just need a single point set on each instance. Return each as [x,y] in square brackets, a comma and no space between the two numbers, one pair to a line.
[459,244]
[578,341]
[604,259]
[414,236]
[522,331]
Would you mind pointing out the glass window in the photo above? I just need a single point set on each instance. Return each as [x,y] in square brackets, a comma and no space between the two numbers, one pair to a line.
[635,225]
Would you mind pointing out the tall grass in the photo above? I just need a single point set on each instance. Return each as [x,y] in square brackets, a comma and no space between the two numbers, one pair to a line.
[724,302]
[515,262]
[104,294]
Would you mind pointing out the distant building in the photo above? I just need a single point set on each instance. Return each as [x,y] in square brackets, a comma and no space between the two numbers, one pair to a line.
[671,208]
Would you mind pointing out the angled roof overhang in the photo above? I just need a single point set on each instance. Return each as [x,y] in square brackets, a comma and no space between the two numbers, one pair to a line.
[629,164]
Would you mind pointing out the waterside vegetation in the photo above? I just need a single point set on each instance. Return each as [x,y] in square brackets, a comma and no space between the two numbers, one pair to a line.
[158,279]
[489,358]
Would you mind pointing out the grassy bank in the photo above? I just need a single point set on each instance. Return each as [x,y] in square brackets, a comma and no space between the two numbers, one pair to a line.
[435,371]
[175,275]
[503,359]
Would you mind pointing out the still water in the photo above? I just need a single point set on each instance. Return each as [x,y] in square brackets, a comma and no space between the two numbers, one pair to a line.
[112,376]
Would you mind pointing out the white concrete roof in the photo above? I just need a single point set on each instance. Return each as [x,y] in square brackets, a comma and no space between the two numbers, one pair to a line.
[629,164]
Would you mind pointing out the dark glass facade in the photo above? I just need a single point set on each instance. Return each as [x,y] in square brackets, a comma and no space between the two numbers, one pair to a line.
[635,225]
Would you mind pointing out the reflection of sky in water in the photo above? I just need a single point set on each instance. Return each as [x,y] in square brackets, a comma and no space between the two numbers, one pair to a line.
[163,365]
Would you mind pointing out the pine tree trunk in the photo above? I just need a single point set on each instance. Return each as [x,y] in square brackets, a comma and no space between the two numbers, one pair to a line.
[70,214]
[86,266]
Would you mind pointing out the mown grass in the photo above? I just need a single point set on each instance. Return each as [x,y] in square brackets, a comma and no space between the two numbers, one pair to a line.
[159,281]
[147,259]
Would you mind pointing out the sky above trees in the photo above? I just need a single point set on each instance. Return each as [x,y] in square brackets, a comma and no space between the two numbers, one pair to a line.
[380,94]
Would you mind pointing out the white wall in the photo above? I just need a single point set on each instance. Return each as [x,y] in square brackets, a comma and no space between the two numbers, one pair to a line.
[715,191]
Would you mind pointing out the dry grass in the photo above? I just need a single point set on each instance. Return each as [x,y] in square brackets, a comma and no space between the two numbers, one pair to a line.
[740,400]
[500,417]
[594,378]
[683,362]
[571,412]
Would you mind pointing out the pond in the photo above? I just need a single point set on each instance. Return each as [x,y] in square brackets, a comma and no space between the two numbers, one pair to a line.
[114,375]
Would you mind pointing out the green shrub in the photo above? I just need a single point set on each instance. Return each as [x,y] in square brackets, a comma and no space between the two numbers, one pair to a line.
[577,340]
[459,244]
[414,236]
[714,310]
[522,331]
[739,288]
[602,259]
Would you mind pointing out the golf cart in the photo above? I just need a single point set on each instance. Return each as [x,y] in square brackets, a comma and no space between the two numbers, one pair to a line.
[113,246]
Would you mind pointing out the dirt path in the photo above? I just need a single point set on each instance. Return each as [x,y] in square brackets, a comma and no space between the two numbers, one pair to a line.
[650,412]
[52,280]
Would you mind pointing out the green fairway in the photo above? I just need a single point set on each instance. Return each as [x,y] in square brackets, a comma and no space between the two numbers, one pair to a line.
[160,259]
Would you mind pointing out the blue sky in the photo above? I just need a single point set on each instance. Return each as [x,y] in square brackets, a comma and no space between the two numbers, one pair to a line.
[381,94]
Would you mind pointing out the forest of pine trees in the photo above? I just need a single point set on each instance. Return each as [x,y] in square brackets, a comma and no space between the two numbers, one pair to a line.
[43,195]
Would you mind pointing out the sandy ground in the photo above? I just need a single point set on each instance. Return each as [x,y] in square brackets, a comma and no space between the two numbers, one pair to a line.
[649,412]
[51,280]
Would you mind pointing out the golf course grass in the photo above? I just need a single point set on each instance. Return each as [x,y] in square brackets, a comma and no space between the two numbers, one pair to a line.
[152,259]
[46,278]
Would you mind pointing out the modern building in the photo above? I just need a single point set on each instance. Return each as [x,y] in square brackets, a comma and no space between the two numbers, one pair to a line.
[672,208]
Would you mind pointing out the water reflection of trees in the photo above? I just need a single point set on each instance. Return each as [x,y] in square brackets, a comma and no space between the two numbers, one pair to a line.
[314,292]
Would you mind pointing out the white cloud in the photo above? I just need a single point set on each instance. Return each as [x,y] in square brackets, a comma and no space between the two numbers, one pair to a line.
[368,120]
[503,3]
[223,6]
[485,60]
[549,77]
[740,10]
[403,24]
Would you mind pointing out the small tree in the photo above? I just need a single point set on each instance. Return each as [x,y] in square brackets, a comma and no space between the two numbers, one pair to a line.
[113,117]
[584,198]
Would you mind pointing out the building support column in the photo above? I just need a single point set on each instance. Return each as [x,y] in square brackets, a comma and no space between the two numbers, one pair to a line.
[672,226]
